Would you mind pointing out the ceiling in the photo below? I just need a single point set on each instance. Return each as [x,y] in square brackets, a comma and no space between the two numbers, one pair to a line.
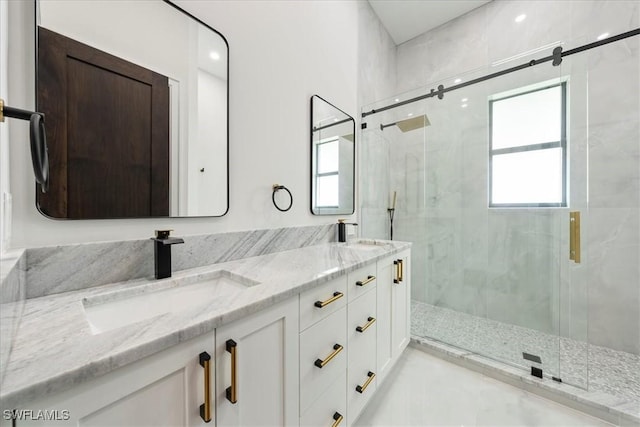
[406,19]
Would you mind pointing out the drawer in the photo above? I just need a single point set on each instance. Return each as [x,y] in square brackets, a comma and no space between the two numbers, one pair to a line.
[321,301]
[362,324]
[361,280]
[318,343]
[328,408]
[361,386]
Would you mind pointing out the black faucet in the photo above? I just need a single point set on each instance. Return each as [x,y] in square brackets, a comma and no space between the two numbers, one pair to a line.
[342,229]
[162,252]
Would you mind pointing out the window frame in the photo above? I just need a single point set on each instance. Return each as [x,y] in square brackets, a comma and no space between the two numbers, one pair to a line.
[562,144]
[318,175]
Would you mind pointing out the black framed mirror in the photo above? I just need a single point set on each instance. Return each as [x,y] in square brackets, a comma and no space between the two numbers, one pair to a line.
[135,96]
[332,159]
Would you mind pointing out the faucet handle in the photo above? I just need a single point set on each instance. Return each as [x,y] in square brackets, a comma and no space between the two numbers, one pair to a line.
[163,234]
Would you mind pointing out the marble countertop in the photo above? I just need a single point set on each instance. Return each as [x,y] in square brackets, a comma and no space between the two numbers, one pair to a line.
[55,347]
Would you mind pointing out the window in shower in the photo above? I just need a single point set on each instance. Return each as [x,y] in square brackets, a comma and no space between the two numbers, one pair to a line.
[327,179]
[528,148]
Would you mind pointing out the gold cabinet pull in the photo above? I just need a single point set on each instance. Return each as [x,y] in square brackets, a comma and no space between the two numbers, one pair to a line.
[337,348]
[574,237]
[370,321]
[363,387]
[398,264]
[401,261]
[336,296]
[232,392]
[205,408]
[337,419]
[368,280]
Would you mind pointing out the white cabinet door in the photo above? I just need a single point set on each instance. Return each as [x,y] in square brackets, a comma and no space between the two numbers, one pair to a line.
[257,367]
[401,304]
[165,389]
[384,352]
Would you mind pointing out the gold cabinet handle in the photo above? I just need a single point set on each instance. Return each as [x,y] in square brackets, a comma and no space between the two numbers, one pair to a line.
[205,408]
[337,419]
[336,296]
[232,392]
[337,348]
[370,321]
[368,280]
[574,237]
[401,261]
[398,265]
[363,387]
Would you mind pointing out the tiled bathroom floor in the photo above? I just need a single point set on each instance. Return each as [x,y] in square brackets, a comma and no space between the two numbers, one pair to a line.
[423,390]
[593,368]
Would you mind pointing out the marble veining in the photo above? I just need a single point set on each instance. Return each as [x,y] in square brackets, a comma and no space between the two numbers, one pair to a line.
[55,327]
[58,269]
[12,292]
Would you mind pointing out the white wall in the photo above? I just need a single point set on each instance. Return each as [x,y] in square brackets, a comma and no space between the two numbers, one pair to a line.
[281,53]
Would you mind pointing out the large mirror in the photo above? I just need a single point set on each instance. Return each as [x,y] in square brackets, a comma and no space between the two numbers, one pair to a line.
[135,97]
[332,159]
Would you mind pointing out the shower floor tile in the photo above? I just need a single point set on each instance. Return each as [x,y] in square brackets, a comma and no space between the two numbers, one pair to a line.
[613,374]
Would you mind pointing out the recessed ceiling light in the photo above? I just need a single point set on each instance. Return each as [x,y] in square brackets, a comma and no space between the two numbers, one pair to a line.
[464,99]
[214,55]
[521,18]
[410,114]
[457,81]
[335,120]
[397,100]
[464,105]
[603,36]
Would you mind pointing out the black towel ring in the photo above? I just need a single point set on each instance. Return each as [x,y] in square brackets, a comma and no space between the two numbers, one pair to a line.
[276,188]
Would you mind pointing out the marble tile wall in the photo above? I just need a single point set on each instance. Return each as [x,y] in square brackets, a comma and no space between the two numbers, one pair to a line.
[65,268]
[510,265]
[376,81]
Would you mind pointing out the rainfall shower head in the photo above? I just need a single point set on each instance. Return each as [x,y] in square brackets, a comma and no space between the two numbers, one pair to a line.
[410,124]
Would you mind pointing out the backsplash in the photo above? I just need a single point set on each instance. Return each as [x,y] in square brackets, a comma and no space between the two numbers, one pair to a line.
[12,293]
[57,269]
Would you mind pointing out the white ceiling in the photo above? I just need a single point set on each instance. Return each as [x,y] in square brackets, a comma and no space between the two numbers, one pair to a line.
[406,19]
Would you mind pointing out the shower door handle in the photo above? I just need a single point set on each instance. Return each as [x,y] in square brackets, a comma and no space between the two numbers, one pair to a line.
[574,237]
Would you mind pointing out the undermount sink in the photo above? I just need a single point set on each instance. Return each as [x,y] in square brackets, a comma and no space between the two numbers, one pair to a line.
[113,310]
[368,244]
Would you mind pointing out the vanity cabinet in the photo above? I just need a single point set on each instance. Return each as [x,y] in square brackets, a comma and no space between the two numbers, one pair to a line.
[313,360]
[354,327]
[165,389]
[255,358]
